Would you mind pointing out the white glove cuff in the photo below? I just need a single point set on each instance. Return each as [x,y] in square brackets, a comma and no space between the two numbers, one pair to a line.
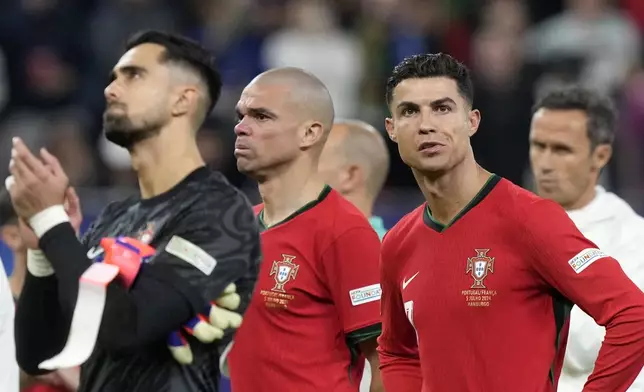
[48,218]
[37,264]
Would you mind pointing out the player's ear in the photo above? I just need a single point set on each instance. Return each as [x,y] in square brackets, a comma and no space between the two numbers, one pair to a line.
[313,133]
[473,121]
[350,178]
[601,155]
[391,131]
[187,98]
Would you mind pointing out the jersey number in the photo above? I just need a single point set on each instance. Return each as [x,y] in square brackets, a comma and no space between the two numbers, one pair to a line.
[409,311]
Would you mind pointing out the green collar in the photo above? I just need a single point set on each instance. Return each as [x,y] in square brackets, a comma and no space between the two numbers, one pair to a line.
[325,192]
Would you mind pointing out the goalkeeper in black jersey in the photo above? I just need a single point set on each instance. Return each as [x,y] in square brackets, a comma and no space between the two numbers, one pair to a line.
[149,270]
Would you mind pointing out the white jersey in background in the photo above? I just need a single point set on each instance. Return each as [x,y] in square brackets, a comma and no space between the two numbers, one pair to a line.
[9,372]
[612,224]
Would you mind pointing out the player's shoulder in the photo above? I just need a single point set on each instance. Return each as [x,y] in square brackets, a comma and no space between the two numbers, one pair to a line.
[210,192]
[404,227]
[339,215]
[608,204]
[403,233]
[330,218]
[117,207]
[516,199]
[205,202]
[520,205]
[208,208]
[213,185]
[527,216]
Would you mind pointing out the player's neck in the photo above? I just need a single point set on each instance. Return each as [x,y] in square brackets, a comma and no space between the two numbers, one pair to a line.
[449,193]
[19,273]
[585,199]
[288,190]
[362,202]
[162,162]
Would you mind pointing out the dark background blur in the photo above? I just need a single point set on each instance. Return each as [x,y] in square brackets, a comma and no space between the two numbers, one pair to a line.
[55,56]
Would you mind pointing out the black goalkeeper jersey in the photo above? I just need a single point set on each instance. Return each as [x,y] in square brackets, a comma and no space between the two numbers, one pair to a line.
[131,354]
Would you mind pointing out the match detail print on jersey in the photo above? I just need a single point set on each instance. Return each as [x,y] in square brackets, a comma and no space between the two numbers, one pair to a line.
[192,254]
[585,258]
[478,267]
[282,271]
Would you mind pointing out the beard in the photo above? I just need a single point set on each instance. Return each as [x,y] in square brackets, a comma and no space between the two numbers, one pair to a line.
[120,130]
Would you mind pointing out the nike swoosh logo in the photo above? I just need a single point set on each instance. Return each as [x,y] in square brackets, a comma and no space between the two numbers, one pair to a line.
[408,281]
[94,252]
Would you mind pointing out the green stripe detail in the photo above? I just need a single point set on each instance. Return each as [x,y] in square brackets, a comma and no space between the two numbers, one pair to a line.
[482,193]
[358,336]
[363,334]
[325,192]
[561,307]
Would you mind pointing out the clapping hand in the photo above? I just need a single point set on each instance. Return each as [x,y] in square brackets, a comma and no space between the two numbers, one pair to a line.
[34,184]
[30,181]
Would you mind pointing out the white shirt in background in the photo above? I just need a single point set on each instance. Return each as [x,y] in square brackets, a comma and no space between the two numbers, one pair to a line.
[612,224]
[9,371]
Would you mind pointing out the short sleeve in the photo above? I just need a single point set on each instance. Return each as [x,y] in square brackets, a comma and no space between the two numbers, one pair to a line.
[351,266]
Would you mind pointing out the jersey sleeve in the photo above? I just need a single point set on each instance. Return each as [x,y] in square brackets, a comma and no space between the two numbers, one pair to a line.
[351,267]
[208,247]
[595,282]
[38,305]
[397,345]
[50,300]
[215,243]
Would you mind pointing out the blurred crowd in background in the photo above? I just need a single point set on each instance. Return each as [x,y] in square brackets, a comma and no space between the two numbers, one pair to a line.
[55,57]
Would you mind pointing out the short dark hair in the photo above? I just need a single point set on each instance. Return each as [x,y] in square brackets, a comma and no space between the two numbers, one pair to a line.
[7,213]
[429,66]
[599,108]
[185,52]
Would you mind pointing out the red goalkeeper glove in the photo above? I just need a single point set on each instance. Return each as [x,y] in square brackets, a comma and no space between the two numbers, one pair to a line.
[128,254]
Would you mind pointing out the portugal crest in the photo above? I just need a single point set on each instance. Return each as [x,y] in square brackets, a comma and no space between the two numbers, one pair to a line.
[284,271]
[479,266]
[146,235]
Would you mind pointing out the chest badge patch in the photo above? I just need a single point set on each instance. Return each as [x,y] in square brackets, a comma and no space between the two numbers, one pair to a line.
[147,234]
[479,266]
[284,271]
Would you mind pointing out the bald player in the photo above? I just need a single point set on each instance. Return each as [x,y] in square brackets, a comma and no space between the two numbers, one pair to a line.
[355,162]
[314,315]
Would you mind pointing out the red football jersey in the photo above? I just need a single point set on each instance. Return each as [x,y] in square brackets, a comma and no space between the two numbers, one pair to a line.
[482,304]
[318,286]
